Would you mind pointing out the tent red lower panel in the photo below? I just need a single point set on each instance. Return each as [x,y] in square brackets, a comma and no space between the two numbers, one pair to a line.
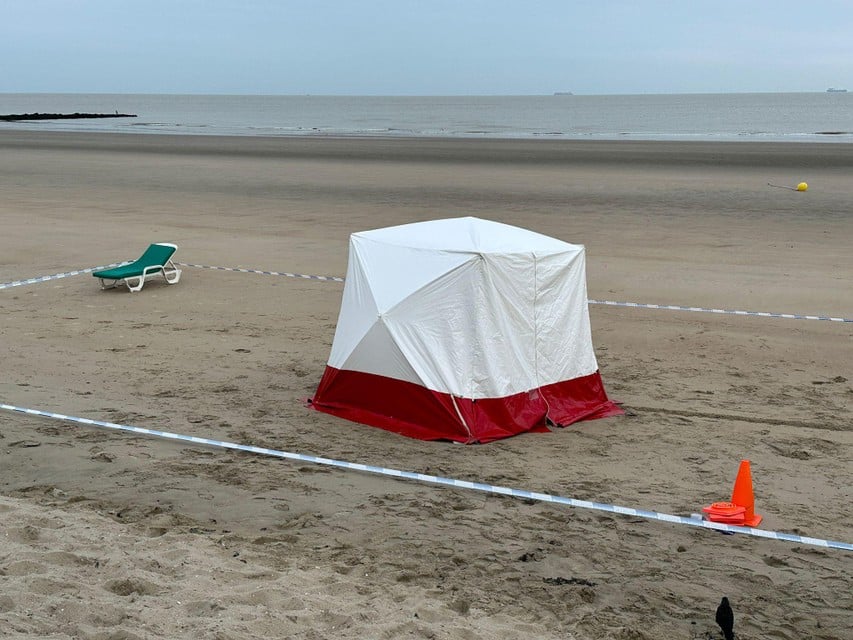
[414,411]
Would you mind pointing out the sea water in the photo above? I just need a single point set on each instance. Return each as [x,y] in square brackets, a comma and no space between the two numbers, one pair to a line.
[808,117]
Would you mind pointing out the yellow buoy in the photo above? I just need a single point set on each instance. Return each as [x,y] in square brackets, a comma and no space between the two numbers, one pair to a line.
[802,186]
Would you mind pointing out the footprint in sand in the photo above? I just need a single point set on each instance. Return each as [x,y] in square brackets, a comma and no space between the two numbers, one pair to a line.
[23,444]
[6,604]
[131,586]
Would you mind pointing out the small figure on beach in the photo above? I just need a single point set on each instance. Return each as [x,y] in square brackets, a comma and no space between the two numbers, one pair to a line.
[726,619]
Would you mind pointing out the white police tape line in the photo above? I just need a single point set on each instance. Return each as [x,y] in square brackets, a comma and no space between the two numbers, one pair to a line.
[264,273]
[612,303]
[460,484]
[639,305]
[57,276]
[763,314]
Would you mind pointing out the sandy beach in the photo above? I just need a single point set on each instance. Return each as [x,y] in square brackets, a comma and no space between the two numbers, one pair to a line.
[108,535]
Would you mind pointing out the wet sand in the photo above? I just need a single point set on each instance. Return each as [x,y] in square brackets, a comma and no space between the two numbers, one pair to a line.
[112,535]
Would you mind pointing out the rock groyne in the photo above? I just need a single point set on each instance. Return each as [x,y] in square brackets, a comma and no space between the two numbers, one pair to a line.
[14,117]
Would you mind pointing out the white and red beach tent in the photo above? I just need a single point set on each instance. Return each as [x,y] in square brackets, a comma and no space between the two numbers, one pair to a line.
[463,329]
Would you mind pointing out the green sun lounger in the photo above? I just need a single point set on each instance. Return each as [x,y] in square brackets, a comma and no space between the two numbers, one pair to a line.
[156,259]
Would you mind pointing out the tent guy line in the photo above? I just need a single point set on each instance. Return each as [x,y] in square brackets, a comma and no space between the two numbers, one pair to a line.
[611,303]
[439,480]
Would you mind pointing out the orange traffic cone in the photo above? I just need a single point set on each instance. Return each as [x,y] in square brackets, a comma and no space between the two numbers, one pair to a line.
[742,495]
[725,512]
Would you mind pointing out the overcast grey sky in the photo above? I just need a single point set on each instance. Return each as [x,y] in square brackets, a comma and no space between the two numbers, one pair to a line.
[428,47]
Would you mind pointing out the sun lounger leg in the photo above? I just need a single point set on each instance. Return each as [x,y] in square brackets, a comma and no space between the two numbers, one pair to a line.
[140,280]
[171,273]
[104,284]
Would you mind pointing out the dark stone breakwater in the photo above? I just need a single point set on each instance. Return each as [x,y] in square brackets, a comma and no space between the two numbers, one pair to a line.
[14,117]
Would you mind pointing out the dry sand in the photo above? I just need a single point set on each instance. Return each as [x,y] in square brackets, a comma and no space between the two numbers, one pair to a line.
[114,536]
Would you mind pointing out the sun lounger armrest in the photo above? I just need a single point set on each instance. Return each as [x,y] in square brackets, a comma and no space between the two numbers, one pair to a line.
[152,269]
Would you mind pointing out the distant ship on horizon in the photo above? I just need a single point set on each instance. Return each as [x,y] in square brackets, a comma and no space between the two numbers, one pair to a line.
[563,93]
[834,90]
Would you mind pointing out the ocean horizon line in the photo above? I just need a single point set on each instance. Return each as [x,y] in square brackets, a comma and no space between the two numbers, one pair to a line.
[556,93]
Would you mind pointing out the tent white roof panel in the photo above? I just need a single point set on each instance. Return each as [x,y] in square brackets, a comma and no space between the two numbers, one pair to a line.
[467,307]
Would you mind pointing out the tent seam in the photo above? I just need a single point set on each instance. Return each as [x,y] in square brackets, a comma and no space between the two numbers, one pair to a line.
[461,418]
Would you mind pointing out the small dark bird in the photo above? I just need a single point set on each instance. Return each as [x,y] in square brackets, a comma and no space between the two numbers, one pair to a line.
[726,619]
